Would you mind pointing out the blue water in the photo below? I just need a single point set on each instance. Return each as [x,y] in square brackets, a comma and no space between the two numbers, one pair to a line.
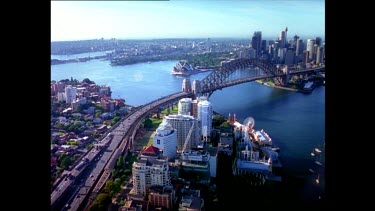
[295,121]
[81,55]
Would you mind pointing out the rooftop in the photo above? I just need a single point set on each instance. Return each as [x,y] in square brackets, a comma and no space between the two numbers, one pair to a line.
[150,150]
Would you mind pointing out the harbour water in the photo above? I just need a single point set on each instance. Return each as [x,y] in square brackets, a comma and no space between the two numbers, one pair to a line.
[295,121]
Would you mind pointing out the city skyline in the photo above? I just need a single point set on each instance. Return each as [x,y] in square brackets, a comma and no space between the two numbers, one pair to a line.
[185,19]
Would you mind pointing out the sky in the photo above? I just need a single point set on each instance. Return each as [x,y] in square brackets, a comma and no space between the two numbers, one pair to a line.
[81,20]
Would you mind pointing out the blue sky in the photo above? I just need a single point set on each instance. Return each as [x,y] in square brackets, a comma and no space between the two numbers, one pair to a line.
[79,20]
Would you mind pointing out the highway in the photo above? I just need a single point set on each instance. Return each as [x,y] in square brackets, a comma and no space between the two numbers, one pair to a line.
[73,191]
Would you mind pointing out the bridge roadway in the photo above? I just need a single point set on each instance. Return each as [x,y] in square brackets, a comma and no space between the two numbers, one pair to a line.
[74,191]
[258,77]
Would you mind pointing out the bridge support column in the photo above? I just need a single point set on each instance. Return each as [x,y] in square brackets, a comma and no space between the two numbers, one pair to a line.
[158,113]
[282,81]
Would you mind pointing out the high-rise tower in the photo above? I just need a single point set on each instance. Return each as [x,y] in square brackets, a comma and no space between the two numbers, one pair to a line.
[205,117]
[256,42]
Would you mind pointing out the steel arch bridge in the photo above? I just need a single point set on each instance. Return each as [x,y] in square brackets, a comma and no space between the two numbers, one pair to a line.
[217,79]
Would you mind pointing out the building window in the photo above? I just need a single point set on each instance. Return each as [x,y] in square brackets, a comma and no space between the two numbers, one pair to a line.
[158,141]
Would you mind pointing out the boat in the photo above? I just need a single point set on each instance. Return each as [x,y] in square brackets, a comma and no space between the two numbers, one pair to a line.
[312,154]
[319,163]
[318,150]
[312,171]
[317,180]
[308,87]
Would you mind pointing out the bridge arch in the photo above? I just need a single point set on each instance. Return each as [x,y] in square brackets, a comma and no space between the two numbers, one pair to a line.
[216,78]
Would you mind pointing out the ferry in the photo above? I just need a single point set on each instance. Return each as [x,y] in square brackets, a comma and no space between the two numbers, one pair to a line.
[308,87]
[319,163]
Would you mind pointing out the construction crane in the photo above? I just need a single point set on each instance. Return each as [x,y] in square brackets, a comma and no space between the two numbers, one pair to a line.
[188,138]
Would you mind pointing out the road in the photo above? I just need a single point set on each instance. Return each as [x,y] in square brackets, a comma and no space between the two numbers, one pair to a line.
[75,190]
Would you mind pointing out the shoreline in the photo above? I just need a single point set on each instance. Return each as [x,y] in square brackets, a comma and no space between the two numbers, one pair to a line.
[278,87]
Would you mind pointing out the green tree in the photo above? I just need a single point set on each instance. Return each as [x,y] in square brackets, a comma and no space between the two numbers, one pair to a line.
[148,123]
[225,125]
[120,162]
[78,124]
[101,203]
[115,120]
[86,80]
[60,125]
[128,172]
[217,120]
[117,185]
[98,113]
[66,162]
[109,186]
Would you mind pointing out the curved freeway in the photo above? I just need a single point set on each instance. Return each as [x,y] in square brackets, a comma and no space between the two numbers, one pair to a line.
[72,193]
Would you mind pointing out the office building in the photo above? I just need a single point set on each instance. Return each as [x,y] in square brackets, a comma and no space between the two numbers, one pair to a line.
[289,57]
[256,42]
[299,47]
[310,48]
[319,57]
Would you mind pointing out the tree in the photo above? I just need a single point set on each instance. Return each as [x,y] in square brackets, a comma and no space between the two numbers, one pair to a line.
[109,186]
[217,120]
[60,125]
[225,125]
[101,202]
[128,172]
[115,120]
[120,162]
[98,113]
[86,80]
[117,185]
[148,123]
[66,162]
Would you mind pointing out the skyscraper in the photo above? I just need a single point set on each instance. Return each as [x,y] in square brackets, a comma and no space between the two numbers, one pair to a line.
[299,47]
[318,41]
[310,48]
[319,57]
[263,46]
[289,57]
[282,39]
[256,42]
[205,117]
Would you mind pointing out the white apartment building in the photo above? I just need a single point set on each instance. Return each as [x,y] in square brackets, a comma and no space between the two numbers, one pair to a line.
[150,169]
[184,106]
[166,140]
[205,113]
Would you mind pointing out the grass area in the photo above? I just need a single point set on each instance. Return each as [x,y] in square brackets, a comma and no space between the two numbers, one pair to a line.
[155,122]
[173,111]
[146,140]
